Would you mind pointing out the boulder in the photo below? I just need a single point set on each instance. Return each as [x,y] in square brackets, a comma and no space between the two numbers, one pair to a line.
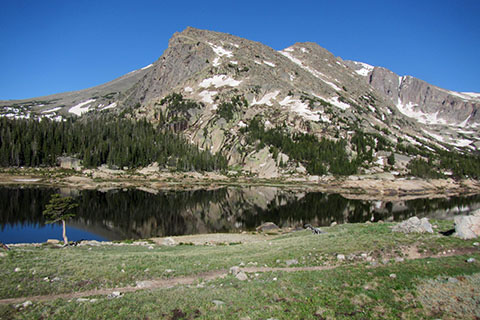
[168,242]
[242,276]
[267,226]
[414,225]
[235,270]
[468,227]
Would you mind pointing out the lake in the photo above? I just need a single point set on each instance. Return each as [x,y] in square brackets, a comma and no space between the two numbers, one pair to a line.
[136,214]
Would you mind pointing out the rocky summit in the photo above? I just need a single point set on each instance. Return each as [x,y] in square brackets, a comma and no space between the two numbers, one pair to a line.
[298,110]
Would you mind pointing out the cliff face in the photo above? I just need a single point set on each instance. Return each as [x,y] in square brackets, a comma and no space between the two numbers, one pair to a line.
[422,101]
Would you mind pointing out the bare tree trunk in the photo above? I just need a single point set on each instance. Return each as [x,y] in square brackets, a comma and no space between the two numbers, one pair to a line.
[65,240]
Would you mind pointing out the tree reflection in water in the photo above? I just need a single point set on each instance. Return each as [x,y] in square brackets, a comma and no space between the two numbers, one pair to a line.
[134,214]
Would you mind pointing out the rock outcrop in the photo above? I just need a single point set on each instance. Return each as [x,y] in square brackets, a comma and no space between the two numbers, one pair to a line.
[414,225]
[468,227]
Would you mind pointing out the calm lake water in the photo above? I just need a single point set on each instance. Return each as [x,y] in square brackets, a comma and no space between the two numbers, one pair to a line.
[136,214]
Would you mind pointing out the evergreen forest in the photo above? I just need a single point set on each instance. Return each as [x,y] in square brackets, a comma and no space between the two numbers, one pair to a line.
[104,140]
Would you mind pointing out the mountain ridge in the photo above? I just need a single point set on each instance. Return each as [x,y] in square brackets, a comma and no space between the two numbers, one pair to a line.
[210,86]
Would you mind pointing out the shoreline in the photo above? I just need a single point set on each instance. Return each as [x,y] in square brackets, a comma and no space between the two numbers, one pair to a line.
[385,187]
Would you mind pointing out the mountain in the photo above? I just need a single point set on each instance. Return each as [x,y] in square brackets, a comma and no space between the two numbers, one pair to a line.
[275,112]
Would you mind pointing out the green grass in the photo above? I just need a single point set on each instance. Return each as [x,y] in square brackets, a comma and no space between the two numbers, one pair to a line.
[355,289]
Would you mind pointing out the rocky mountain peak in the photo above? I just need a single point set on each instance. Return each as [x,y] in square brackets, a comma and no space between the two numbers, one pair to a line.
[213,87]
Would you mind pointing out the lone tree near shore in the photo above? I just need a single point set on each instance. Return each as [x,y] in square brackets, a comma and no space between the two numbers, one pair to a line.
[58,210]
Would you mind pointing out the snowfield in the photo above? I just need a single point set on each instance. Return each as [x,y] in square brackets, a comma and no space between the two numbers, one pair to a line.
[365,70]
[338,104]
[266,99]
[301,108]
[219,81]
[207,96]
[110,106]
[81,108]
[408,109]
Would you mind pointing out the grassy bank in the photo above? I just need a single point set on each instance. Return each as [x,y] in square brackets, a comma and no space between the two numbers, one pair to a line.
[383,275]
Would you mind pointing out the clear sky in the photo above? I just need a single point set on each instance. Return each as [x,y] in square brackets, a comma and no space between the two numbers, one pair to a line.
[54,46]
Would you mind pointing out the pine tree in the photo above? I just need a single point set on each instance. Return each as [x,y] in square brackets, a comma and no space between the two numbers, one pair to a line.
[58,210]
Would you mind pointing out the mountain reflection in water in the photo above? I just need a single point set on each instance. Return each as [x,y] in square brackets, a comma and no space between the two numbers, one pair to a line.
[135,214]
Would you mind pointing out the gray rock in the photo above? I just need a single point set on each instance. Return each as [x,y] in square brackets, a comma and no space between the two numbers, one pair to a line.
[267,226]
[115,294]
[234,270]
[17,269]
[291,262]
[471,260]
[452,280]
[242,276]
[340,257]
[467,227]
[393,276]
[168,242]
[414,225]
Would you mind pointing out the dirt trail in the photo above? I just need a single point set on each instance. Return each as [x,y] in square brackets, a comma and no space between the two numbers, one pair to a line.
[212,275]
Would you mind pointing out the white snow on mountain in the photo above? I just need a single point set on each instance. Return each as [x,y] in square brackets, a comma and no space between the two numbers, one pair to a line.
[219,81]
[81,108]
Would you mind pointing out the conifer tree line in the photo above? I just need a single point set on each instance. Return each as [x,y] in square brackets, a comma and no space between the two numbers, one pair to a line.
[105,140]
[319,156]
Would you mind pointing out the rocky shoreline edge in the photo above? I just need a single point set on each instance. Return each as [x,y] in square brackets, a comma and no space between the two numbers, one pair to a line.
[387,187]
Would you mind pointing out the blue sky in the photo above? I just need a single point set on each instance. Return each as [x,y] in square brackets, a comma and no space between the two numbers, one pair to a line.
[54,46]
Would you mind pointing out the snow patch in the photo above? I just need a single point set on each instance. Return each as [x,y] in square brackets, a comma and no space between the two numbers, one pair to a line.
[422,117]
[304,50]
[110,106]
[365,68]
[188,89]
[220,51]
[301,108]
[380,161]
[411,140]
[52,110]
[81,108]
[338,104]
[219,81]
[465,95]
[234,62]
[216,62]
[457,143]
[463,124]
[314,72]
[242,124]
[146,67]
[207,96]
[266,99]
[289,49]
[257,62]
[472,94]
[268,63]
